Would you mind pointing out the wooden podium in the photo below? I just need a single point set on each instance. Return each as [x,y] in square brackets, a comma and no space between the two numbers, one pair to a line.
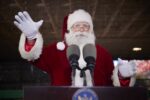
[74,93]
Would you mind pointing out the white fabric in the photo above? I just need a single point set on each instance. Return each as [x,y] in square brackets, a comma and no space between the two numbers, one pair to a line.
[78,81]
[126,69]
[116,81]
[25,23]
[79,16]
[36,50]
[115,77]
[127,72]
[79,38]
[60,46]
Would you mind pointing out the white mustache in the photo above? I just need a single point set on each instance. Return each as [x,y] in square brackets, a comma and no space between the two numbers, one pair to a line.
[81,35]
[79,38]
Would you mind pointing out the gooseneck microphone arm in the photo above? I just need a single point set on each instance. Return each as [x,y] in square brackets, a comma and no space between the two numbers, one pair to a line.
[89,54]
[73,59]
[73,54]
[90,63]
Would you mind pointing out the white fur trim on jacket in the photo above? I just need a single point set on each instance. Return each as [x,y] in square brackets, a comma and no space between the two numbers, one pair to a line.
[116,81]
[36,50]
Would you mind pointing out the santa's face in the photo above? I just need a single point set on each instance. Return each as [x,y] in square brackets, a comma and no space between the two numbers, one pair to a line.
[80,27]
[80,34]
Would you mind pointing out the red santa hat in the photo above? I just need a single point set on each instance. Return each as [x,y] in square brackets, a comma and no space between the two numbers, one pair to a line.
[61,45]
[76,16]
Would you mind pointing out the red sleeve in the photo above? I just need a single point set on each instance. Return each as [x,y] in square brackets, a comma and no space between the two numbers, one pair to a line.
[28,46]
[110,67]
[124,82]
[104,59]
[46,59]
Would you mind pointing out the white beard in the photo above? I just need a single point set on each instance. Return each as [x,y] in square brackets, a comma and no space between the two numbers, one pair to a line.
[80,39]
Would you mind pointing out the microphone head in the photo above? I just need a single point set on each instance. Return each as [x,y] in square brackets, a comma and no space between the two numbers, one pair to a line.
[89,50]
[73,50]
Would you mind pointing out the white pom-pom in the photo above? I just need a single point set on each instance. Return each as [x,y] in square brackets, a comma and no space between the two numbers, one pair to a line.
[60,46]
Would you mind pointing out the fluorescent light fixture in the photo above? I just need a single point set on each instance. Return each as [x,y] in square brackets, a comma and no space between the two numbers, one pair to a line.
[136,48]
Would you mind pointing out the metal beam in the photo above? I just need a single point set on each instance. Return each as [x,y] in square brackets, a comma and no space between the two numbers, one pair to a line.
[55,30]
[113,17]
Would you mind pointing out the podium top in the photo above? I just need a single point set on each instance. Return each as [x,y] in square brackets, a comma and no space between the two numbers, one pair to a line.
[74,93]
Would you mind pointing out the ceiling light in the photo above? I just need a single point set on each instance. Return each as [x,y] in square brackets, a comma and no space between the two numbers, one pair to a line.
[137,49]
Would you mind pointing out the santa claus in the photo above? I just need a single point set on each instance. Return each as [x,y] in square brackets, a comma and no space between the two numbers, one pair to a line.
[77,30]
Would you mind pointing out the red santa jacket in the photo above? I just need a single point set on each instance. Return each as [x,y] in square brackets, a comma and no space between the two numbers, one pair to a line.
[55,63]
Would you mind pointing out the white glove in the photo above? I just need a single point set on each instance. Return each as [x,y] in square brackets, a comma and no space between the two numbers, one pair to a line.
[126,68]
[25,23]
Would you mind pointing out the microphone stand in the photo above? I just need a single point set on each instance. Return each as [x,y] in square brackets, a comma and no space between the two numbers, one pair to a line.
[91,68]
[84,79]
[74,67]
[82,73]
[90,65]
[74,64]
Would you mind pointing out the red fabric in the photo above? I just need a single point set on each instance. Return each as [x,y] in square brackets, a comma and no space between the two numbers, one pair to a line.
[124,82]
[55,63]
[64,29]
[28,46]
[102,74]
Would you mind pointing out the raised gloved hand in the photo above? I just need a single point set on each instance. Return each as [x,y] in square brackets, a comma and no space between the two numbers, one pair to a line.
[25,23]
[126,68]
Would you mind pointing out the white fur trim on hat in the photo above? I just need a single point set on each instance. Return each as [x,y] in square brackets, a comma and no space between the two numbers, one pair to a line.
[60,46]
[36,50]
[78,16]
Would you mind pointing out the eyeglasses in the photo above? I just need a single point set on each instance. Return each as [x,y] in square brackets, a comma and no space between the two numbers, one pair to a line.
[81,26]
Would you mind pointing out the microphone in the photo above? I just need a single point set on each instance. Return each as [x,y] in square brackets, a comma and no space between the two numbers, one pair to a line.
[73,54]
[89,54]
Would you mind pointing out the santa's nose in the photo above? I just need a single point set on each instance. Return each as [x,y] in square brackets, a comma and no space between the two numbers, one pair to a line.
[81,29]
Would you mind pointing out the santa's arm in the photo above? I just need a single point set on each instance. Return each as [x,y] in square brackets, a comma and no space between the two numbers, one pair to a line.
[31,42]
[122,81]
[124,74]
[31,50]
